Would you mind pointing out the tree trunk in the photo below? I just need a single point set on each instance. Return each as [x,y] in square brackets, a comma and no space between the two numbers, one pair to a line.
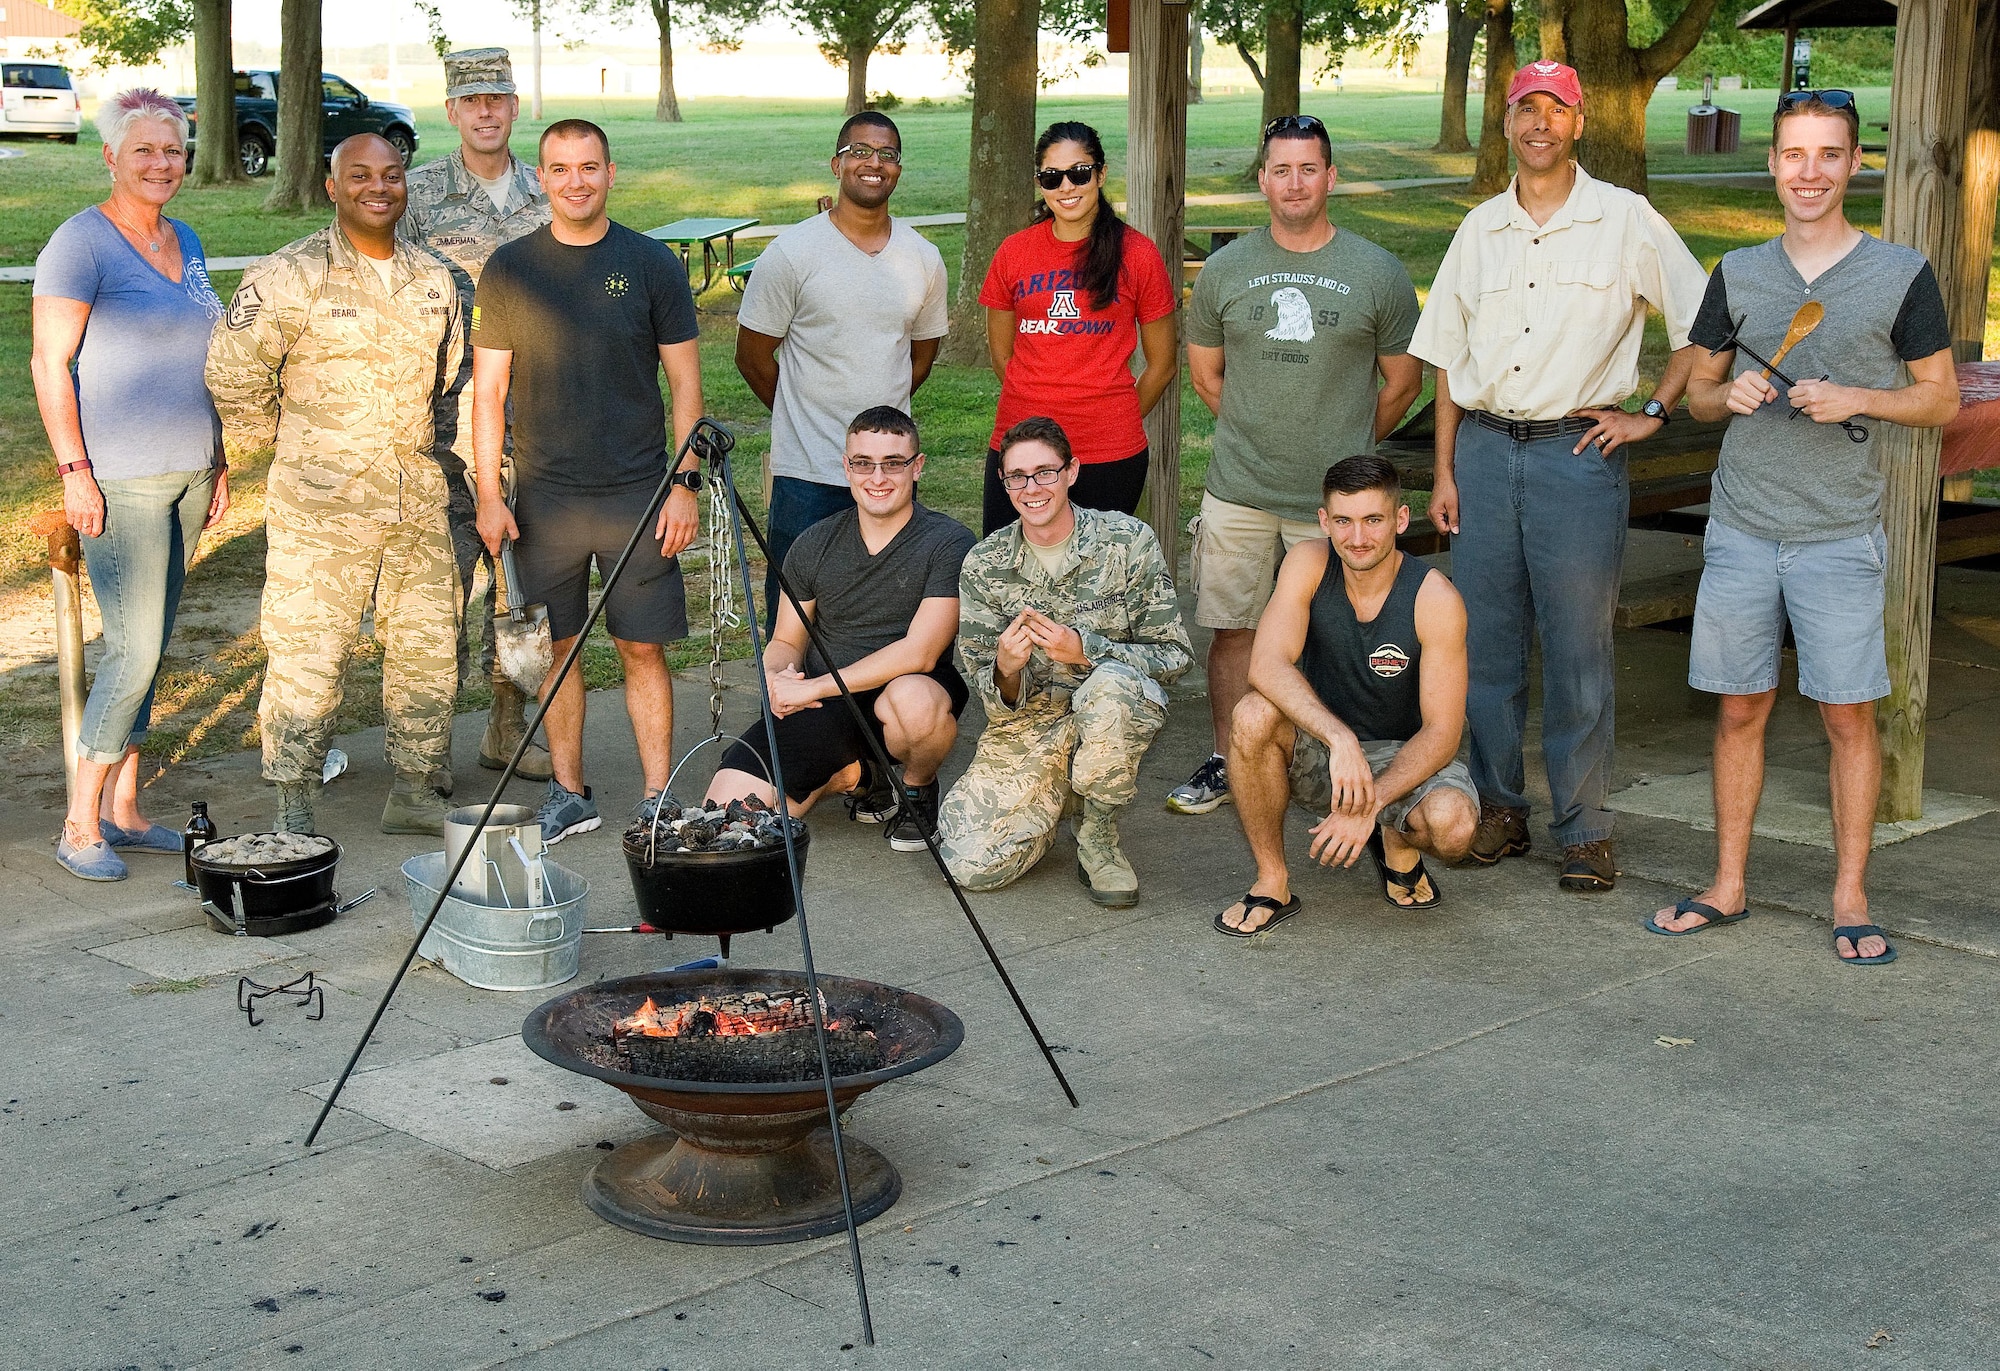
[1922,208]
[1194,54]
[1555,41]
[667,109]
[1284,37]
[1461,35]
[999,192]
[535,96]
[858,52]
[1490,177]
[1618,79]
[1967,302]
[215,152]
[1156,190]
[1250,61]
[300,180]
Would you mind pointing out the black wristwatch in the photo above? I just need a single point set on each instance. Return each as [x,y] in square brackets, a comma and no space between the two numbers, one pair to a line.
[1653,409]
[691,479]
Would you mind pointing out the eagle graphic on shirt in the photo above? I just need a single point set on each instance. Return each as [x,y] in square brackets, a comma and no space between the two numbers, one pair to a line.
[1295,316]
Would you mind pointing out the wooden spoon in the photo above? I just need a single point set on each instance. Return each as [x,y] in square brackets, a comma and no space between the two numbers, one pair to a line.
[1804,322]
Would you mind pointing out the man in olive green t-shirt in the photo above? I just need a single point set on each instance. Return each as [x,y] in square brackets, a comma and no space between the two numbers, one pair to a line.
[1286,334]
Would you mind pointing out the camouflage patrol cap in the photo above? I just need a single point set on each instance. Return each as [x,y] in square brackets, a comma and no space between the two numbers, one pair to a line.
[478,71]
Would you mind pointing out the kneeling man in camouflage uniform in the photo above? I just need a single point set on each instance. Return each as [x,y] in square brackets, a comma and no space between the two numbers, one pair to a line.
[1069,631]
[336,347]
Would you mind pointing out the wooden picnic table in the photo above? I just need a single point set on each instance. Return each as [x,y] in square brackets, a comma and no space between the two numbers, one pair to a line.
[1218,236]
[685,235]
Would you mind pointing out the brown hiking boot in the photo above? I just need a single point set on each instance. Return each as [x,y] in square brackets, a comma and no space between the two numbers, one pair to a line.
[1588,866]
[1502,832]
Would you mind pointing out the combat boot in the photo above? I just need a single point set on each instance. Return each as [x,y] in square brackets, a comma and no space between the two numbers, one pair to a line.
[505,721]
[414,807]
[1100,865]
[295,807]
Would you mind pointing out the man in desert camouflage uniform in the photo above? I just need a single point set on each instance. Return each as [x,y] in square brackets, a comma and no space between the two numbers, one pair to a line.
[462,207]
[336,348]
[1069,632]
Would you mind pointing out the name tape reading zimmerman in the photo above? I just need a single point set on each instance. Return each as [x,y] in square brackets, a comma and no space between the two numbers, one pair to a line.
[1299,278]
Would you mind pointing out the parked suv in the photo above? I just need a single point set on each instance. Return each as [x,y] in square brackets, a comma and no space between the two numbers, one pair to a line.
[345,111]
[39,100]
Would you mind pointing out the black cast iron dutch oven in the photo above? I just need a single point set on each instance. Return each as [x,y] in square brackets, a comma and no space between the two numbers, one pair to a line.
[715,894]
[271,898]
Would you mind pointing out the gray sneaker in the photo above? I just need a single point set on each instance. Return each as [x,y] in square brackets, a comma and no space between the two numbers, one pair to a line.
[1206,790]
[874,800]
[564,812]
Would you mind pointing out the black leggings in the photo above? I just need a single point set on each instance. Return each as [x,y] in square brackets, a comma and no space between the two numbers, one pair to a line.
[1099,485]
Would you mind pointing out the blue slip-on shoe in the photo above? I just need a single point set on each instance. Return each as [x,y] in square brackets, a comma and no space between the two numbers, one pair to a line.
[151,838]
[89,861]
[564,812]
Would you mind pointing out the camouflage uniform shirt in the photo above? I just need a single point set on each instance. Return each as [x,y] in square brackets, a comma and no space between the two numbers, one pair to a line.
[450,213]
[314,357]
[1113,588]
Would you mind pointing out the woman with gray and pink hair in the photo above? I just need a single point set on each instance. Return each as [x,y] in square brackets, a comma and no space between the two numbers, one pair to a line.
[123,313]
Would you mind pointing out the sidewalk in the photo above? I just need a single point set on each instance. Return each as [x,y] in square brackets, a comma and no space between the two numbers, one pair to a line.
[1514,1132]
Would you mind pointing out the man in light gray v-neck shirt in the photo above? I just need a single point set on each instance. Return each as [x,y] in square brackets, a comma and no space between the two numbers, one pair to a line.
[843,312]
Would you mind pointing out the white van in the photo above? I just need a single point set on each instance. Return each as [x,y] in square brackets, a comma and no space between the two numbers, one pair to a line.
[39,100]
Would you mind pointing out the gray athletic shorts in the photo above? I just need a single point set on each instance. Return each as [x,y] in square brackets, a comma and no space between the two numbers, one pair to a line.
[1312,788]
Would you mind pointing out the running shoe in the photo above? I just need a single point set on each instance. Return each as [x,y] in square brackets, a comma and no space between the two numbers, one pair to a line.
[1206,790]
[564,812]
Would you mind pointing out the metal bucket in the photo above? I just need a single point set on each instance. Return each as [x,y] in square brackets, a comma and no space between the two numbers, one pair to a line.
[494,947]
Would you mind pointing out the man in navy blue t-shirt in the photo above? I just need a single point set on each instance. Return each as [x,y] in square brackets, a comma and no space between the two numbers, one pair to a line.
[575,322]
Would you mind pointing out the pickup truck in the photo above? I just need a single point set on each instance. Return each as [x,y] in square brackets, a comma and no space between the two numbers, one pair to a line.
[346,112]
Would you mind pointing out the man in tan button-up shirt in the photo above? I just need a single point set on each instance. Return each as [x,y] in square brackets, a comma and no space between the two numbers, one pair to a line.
[1534,324]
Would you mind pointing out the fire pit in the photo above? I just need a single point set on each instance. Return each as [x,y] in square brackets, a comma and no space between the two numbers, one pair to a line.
[727,1061]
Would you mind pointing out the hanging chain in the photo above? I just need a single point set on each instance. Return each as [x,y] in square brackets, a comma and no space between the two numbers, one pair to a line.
[721,595]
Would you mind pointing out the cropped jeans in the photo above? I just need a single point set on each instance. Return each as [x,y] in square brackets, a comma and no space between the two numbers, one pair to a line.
[1540,544]
[137,566]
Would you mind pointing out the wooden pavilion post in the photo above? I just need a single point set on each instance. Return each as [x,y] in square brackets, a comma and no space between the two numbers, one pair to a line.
[1923,209]
[1156,204]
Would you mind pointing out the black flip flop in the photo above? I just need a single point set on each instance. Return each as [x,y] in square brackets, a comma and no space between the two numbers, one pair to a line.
[1690,905]
[1279,913]
[1854,933]
[1405,881]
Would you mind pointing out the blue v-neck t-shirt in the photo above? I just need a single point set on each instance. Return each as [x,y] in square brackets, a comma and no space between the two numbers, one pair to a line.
[145,408]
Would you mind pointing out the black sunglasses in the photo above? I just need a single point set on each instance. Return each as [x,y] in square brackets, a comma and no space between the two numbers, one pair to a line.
[1832,99]
[1051,178]
[1292,123]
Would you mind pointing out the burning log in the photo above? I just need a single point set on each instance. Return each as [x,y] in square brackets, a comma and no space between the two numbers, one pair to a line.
[752,1036]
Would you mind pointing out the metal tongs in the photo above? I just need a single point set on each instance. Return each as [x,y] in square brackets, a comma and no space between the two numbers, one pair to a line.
[1855,432]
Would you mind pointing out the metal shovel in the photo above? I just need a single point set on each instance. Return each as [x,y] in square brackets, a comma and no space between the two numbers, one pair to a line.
[522,646]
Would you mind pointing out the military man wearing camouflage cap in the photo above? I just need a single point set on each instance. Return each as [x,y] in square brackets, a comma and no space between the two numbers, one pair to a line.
[1070,633]
[462,207]
[336,348]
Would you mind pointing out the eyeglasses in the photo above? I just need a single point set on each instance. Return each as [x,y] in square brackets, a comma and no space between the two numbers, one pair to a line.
[863,152]
[1293,123]
[1051,178]
[888,466]
[1041,476]
[1832,99]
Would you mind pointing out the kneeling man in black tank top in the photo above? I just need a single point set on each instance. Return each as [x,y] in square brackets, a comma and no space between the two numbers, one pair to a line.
[1356,705]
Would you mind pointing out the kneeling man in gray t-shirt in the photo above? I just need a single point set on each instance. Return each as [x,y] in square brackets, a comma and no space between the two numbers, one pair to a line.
[1795,525]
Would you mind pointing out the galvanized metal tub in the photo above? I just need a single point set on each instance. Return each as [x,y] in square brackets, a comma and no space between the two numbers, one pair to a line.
[494,947]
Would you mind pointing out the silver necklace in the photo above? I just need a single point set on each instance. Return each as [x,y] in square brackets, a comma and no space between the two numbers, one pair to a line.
[156,244]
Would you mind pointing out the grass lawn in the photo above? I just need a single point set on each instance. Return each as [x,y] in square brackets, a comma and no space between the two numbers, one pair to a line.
[761,158]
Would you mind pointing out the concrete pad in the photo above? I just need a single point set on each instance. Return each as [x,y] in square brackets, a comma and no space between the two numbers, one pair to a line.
[186,954]
[1794,808]
[450,1101]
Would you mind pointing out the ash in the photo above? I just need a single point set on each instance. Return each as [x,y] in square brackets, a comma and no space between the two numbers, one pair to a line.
[257,849]
[741,826]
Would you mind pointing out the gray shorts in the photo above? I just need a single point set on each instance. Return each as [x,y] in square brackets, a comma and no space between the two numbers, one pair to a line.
[1312,788]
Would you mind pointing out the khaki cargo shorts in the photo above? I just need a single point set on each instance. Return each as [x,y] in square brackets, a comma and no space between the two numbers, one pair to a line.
[1234,560]
[1312,787]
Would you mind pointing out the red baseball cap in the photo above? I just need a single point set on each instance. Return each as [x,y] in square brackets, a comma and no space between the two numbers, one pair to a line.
[1553,77]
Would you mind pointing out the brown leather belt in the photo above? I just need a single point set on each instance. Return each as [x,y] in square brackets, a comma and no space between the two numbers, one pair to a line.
[1531,430]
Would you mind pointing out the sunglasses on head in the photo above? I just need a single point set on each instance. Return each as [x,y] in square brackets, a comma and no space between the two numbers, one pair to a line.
[1051,178]
[1832,99]
[1293,123]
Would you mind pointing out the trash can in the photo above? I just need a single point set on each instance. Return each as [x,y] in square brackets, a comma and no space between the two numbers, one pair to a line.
[1728,130]
[1701,128]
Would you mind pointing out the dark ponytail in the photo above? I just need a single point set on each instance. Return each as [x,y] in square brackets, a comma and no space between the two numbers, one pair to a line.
[1104,253]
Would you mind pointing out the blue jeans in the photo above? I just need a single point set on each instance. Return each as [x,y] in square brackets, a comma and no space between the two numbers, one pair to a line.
[796,505]
[1541,540]
[137,566]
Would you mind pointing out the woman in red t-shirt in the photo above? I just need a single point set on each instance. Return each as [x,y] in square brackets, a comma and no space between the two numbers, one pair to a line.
[1067,300]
